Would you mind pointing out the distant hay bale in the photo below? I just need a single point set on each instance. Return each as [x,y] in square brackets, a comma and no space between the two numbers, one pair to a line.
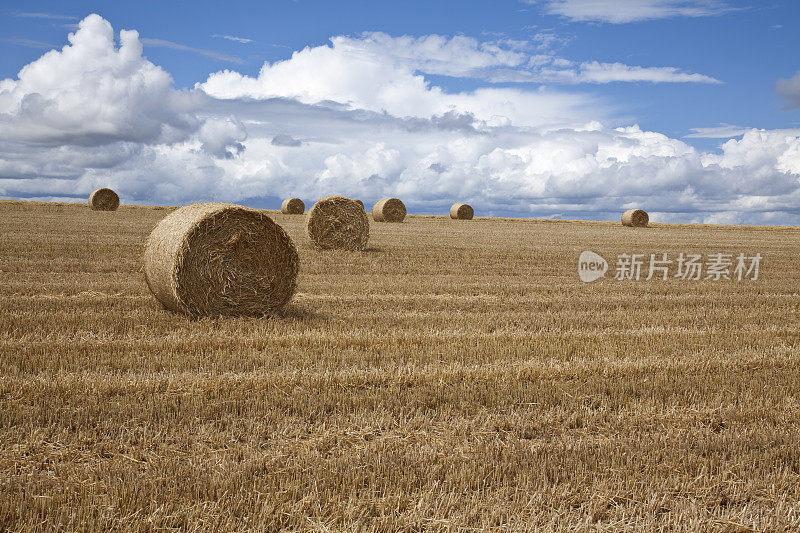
[635,218]
[389,210]
[337,222]
[104,200]
[293,206]
[218,259]
[462,212]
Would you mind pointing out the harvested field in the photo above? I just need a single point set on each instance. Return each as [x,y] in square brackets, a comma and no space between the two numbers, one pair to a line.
[450,376]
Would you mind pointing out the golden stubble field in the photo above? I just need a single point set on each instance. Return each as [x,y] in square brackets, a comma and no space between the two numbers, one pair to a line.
[457,375]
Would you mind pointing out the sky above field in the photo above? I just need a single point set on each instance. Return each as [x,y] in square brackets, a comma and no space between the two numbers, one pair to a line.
[689,109]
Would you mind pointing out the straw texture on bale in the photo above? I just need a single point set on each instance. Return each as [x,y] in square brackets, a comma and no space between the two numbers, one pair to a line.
[462,212]
[104,200]
[338,223]
[218,259]
[293,206]
[359,202]
[389,210]
[635,218]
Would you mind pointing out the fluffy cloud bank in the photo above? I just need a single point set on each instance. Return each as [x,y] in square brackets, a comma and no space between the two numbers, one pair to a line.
[360,118]
[378,72]
[92,92]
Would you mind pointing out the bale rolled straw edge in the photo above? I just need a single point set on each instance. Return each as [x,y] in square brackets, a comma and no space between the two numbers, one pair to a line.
[635,218]
[337,222]
[293,206]
[104,200]
[389,210]
[219,259]
[462,212]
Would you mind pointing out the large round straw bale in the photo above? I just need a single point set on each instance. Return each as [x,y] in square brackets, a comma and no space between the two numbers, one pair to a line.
[337,222]
[635,218]
[293,206]
[219,259]
[104,200]
[462,212]
[359,202]
[389,210]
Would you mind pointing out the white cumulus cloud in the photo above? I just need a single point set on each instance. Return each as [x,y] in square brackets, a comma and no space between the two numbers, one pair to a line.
[93,91]
[383,73]
[371,82]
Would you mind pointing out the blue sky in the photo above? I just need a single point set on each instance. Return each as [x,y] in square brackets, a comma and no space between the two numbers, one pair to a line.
[689,73]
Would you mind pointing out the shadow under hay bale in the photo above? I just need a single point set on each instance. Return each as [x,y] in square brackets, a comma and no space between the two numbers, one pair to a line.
[293,206]
[462,212]
[389,210]
[219,259]
[338,223]
[104,200]
[635,218]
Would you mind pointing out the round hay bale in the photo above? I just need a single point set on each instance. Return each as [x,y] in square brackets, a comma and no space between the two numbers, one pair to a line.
[218,259]
[293,206]
[104,200]
[359,202]
[338,223]
[635,218]
[389,210]
[462,212]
